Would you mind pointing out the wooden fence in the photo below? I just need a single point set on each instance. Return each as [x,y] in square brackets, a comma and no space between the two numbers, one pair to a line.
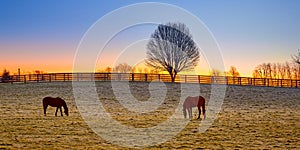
[201,79]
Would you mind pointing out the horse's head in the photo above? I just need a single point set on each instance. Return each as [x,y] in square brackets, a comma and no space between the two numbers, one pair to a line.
[66,111]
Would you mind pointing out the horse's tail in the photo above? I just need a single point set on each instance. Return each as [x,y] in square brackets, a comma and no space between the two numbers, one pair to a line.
[203,107]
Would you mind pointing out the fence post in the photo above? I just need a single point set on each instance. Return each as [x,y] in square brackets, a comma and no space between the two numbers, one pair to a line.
[146,77]
[132,76]
[159,77]
[24,78]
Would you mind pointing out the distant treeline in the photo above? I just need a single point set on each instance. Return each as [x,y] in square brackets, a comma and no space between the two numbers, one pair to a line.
[287,70]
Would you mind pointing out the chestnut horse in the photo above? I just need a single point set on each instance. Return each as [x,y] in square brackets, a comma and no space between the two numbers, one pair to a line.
[191,102]
[55,102]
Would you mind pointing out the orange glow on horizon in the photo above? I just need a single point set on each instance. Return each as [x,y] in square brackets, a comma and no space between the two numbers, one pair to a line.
[141,68]
[30,67]
[56,62]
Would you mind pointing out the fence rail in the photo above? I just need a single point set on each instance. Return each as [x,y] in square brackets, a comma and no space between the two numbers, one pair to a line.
[201,79]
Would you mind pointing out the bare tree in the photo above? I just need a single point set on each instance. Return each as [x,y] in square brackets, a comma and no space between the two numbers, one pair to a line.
[123,68]
[215,72]
[287,69]
[274,70]
[269,70]
[133,69]
[263,70]
[256,73]
[5,76]
[38,72]
[233,72]
[295,71]
[172,49]
[108,69]
[296,58]
[260,71]
[281,71]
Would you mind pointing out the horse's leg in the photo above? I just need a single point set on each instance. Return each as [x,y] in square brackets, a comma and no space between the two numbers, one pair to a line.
[61,111]
[45,108]
[56,111]
[190,113]
[199,112]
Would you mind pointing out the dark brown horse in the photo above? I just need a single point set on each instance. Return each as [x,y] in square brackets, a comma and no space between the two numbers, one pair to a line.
[191,102]
[55,102]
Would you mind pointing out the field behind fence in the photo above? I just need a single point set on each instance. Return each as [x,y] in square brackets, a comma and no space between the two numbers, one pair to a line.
[143,77]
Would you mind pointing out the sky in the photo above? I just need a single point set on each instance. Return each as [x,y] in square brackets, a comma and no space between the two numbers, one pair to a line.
[44,35]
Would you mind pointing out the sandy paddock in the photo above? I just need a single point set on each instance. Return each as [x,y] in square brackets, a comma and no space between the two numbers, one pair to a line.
[250,118]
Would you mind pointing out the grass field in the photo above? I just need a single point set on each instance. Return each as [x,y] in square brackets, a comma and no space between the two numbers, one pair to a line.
[250,118]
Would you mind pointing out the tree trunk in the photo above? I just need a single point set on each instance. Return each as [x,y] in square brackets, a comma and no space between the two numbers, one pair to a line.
[173,77]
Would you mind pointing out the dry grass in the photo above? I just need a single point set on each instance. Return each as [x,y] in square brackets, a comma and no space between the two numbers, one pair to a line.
[251,118]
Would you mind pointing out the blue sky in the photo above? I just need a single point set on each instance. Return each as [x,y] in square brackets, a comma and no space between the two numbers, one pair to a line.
[249,32]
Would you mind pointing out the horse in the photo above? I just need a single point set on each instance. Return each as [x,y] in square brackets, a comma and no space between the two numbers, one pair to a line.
[191,102]
[55,102]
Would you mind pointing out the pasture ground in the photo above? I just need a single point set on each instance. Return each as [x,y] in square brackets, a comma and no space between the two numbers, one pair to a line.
[250,118]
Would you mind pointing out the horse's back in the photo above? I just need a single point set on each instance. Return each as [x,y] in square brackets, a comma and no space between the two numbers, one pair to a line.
[191,101]
[54,102]
[47,99]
